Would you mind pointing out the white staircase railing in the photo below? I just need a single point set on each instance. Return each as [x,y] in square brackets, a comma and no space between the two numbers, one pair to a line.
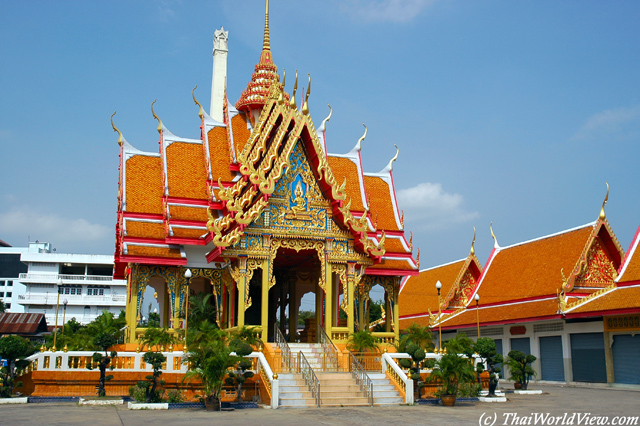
[405,383]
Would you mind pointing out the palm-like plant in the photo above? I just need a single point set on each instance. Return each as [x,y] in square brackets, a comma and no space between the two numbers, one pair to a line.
[201,308]
[362,341]
[158,338]
[452,368]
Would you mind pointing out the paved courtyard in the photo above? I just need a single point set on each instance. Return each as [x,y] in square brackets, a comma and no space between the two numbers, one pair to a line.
[561,405]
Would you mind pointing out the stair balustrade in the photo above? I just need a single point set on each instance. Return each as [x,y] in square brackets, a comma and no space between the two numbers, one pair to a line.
[287,359]
[330,355]
[310,378]
[361,377]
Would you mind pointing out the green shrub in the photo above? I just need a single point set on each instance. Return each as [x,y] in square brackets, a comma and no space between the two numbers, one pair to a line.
[174,395]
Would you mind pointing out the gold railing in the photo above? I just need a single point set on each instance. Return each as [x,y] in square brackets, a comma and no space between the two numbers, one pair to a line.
[369,361]
[388,337]
[396,378]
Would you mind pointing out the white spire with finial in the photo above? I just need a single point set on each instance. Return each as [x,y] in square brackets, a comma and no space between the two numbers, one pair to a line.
[219,77]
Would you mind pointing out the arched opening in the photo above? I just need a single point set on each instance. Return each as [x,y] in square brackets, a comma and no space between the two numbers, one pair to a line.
[376,309]
[155,304]
[297,275]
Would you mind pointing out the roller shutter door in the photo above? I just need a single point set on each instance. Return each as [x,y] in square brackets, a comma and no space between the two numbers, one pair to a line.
[521,344]
[626,358]
[587,357]
[551,363]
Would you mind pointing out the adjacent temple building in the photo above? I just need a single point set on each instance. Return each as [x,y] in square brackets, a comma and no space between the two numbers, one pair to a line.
[260,214]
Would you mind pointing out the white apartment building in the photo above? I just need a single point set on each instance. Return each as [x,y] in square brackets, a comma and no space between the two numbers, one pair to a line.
[10,269]
[85,283]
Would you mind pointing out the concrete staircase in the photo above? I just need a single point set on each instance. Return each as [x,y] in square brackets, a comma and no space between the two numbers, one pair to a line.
[337,389]
[384,392]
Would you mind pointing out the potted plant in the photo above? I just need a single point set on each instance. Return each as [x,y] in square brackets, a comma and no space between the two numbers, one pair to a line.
[485,347]
[520,367]
[415,341]
[453,368]
[241,373]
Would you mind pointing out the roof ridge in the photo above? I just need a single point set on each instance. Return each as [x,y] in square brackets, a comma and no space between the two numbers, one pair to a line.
[549,236]
[444,264]
[629,255]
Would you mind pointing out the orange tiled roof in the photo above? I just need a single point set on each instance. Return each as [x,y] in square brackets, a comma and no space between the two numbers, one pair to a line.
[188,232]
[533,268]
[421,321]
[134,250]
[240,132]
[344,167]
[186,171]
[380,203]
[419,292]
[620,298]
[144,184]
[219,156]
[394,245]
[499,313]
[145,229]
[393,264]
[188,213]
[631,271]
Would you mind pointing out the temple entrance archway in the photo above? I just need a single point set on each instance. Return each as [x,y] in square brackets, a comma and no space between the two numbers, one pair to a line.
[297,273]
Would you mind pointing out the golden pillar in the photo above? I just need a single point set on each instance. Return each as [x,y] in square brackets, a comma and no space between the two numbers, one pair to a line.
[328,287]
[350,303]
[396,313]
[241,285]
[264,312]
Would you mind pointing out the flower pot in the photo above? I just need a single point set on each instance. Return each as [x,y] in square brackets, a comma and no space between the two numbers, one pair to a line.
[484,379]
[212,404]
[517,385]
[448,400]
[493,384]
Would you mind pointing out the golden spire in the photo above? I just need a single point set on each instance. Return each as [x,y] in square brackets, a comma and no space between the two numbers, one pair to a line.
[324,122]
[305,105]
[200,113]
[395,157]
[473,250]
[606,198]
[284,79]
[266,45]
[115,129]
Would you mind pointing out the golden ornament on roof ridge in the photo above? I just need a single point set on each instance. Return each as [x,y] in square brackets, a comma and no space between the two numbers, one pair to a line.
[305,105]
[473,250]
[156,117]
[115,129]
[603,216]
[200,113]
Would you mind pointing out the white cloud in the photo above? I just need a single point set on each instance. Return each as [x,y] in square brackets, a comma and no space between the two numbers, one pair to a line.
[70,234]
[607,123]
[428,206]
[387,10]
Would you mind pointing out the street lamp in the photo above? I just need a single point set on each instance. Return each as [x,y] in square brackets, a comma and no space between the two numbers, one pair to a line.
[187,275]
[439,287]
[55,330]
[477,298]
[64,313]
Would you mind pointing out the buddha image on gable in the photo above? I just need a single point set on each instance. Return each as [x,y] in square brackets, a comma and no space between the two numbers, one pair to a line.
[298,203]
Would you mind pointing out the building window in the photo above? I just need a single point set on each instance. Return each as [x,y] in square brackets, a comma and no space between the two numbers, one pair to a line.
[96,290]
[1,293]
[1,283]
[9,294]
[71,289]
[10,283]
[8,305]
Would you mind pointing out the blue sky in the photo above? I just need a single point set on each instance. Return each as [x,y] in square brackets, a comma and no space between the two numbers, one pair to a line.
[515,112]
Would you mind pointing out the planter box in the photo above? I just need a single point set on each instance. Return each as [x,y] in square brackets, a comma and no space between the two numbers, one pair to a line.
[143,406]
[528,392]
[496,399]
[83,401]
[23,400]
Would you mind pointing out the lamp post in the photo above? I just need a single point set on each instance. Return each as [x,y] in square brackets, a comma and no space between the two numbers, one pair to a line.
[64,313]
[187,275]
[477,298]
[439,287]
[55,330]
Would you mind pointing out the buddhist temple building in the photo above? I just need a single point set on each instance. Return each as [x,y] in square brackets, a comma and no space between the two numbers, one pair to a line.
[260,214]
[572,299]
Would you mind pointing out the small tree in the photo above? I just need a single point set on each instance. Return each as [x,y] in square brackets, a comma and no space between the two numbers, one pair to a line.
[152,393]
[240,374]
[14,349]
[103,341]
[520,367]
[485,347]
[3,307]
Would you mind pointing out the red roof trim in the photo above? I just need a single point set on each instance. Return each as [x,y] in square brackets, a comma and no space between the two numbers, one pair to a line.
[403,272]
[184,240]
[181,200]
[143,240]
[512,321]
[153,260]
[183,222]
[603,313]
[129,215]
